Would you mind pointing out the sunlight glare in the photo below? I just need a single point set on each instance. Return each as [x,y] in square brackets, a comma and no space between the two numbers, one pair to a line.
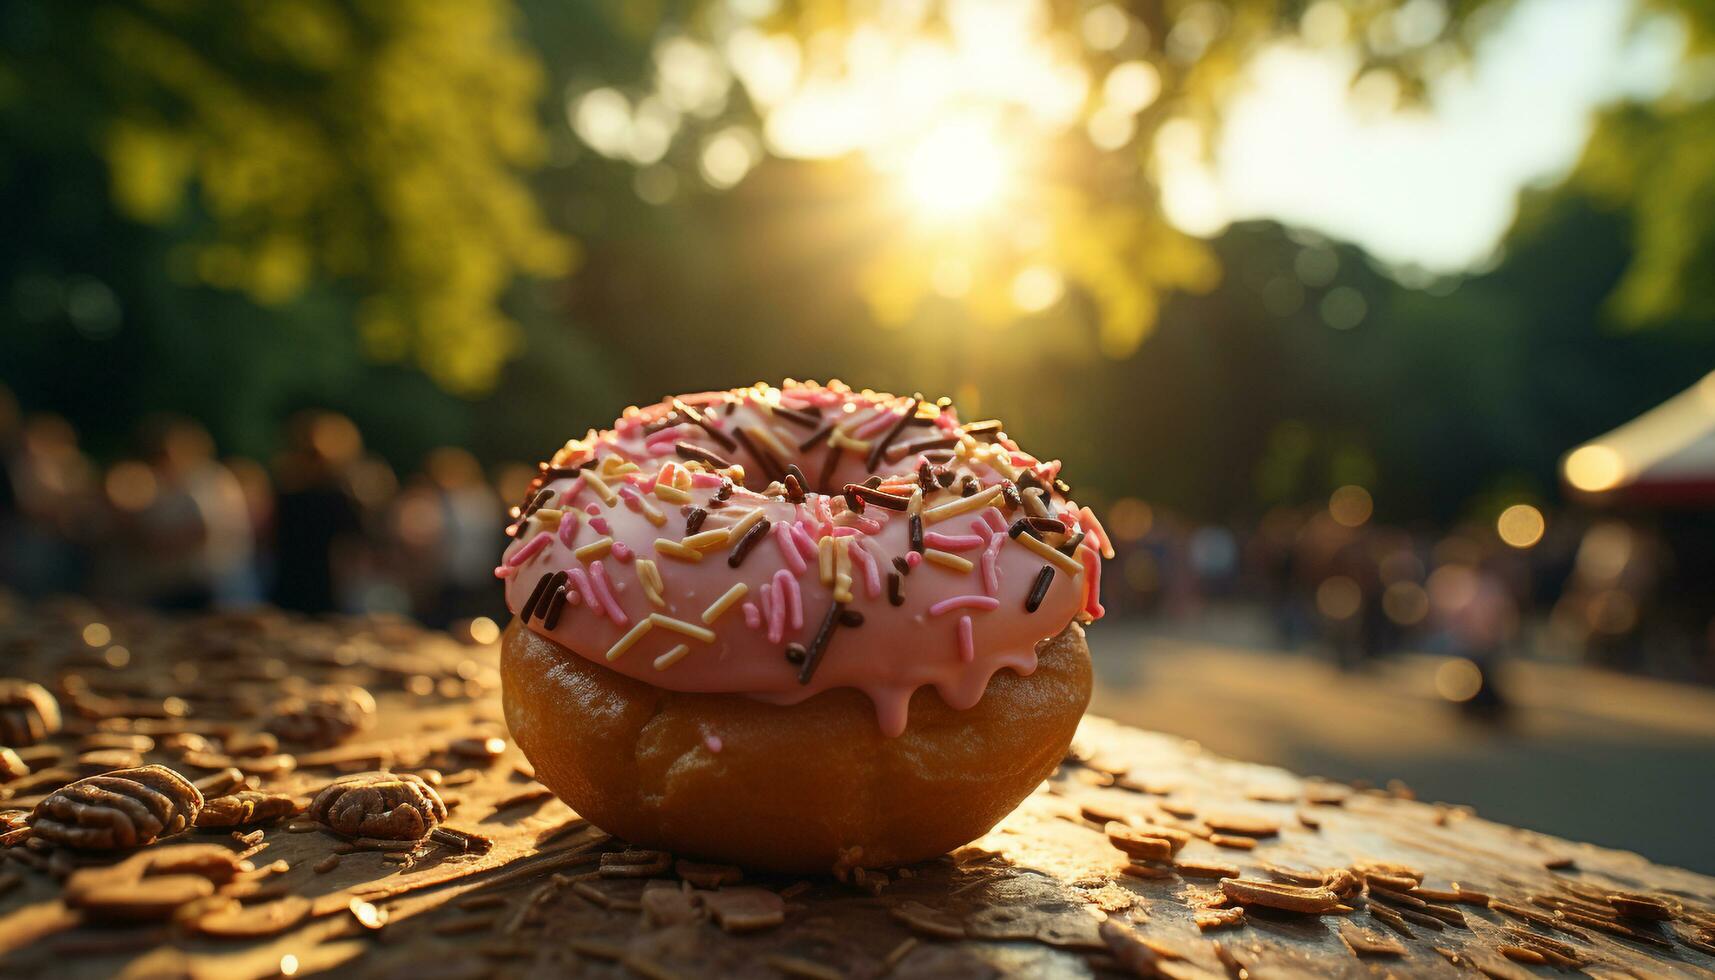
[958,168]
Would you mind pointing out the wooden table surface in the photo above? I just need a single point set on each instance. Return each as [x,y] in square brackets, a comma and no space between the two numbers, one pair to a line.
[1423,889]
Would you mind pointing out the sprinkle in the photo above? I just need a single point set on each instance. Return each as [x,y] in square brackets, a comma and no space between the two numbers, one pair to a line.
[982,602]
[916,525]
[1039,588]
[569,525]
[701,420]
[630,638]
[691,630]
[600,525]
[967,645]
[871,568]
[594,550]
[673,549]
[963,505]
[728,599]
[1043,550]
[1033,502]
[567,495]
[952,542]
[794,488]
[949,560]
[603,591]
[797,417]
[1092,583]
[830,463]
[752,616]
[788,547]
[892,433]
[743,525]
[748,541]
[825,561]
[635,501]
[601,489]
[556,604]
[788,594]
[708,540]
[764,435]
[913,559]
[672,656]
[774,607]
[1088,520]
[991,567]
[671,494]
[880,498]
[996,523]
[694,520]
[529,608]
[504,571]
[688,450]
[806,544]
[899,452]
[622,551]
[724,491]
[903,565]
[815,437]
[819,645]
[894,596]
[529,551]
[770,467]
[650,577]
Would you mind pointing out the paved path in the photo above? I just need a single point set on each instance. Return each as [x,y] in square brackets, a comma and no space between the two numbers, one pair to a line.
[1621,761]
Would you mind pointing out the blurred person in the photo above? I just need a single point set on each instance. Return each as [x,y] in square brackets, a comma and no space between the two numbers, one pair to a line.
[49,483]
[470,524]
[197,536]
[318,526]
[1478,616]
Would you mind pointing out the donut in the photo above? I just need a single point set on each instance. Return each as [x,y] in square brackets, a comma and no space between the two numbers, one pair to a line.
[797,628]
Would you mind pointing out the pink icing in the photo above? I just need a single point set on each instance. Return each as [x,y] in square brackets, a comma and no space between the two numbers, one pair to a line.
[893,652]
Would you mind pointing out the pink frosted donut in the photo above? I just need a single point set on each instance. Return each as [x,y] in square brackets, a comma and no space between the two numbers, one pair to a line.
[794,547]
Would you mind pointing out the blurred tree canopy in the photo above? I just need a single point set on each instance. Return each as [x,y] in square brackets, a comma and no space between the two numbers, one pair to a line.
[282,142]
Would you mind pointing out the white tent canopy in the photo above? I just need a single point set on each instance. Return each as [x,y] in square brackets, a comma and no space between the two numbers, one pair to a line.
[1666,455]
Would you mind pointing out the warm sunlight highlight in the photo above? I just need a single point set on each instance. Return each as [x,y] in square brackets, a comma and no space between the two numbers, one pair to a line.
[959,168]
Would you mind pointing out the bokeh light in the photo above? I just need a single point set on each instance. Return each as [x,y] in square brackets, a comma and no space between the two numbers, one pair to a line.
[1594,469]
[1458,679]
[1521,525]
[1350,505]
[1339,597]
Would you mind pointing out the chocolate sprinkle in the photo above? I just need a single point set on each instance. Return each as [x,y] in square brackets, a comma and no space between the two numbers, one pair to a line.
[892,433]
[893,594]
[900,563]
[925,477]
[819,645]
[746,543]
[1039,588]
[828,466]
[968,487]
[905,449]
[794,486]
[701,420]
[880,498]
[556,603]
[851,617]
[535,597]
[1071,545]
[805,418]
[1036,527]
[694,520]
[724,490]
[854,503]
[689,450]
[917,532]
[1009,493]
[770,466]
[795,653]
[816,437]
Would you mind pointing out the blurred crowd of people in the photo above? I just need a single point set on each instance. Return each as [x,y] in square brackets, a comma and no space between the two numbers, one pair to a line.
[326,526]
[323,527]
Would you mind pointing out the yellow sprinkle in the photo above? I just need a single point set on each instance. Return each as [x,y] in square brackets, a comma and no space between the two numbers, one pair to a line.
[612,466]
[673,549]
[728,599]
[744,523]
[915,504]
[631,636]
[1001,461]
[963,505]
[651,512]
[843,586]
[825,560]
[1071,565]
[947,559]
[842,559]
[706,540]
[672,656]
[1033,502]
[766,435]
[650,577]
[839,440]
[691,630]
[671,494]
[550,518]
[595,549]
[600,487]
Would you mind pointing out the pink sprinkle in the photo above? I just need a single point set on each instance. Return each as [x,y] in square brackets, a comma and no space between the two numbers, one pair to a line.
[568,531]
[663,437]
[528,552]
[632,498]
[788,548]
[776,614]
[752,616]
[871,574]
[601,525]
[994,519]
[806,544]
[504,571]
[991,571]
[865,524]
[713,743]
[952,542]
[572,491]
[603,592]
[845,532]
[876,426]
[704,480]
[981,529]
[622,552]
[824,513]
[946,421]
[982,602]
[787,593]
[592,508]
[1093,527]
[1092,582]
[914,558]
[581,587]
[967,645]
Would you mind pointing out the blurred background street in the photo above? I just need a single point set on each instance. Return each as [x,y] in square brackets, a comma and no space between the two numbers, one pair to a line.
[1378,332]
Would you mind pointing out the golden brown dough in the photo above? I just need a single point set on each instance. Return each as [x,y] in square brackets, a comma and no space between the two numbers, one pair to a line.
[793,788]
